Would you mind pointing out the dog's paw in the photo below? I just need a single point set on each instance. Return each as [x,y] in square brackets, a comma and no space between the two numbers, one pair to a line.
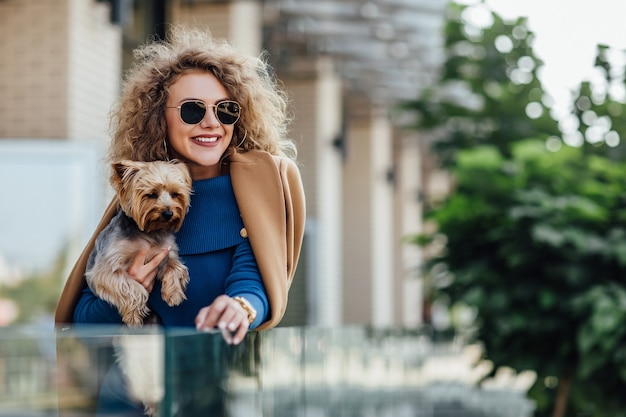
[184,277]
[134,317]
[173,297]
[133,320]
[174,282]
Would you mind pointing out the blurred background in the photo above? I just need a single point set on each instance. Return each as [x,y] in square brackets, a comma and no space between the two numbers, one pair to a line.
[463,164]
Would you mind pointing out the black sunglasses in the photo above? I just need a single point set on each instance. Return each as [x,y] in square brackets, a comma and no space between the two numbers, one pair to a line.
[192,112]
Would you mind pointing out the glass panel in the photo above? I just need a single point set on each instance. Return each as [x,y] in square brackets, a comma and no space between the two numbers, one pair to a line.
[206,377]
[284,372]
[27,372]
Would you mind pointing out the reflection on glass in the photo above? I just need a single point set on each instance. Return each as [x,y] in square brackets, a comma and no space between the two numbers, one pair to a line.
[292,371]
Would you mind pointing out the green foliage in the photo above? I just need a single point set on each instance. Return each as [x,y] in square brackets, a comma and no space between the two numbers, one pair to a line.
[37,294]
[536,245]
[34,297]
[534,231]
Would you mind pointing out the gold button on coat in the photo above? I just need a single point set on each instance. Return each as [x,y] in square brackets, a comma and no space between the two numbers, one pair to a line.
[243,232]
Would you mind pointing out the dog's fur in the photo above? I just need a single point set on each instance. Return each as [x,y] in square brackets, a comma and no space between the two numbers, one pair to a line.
[154,197]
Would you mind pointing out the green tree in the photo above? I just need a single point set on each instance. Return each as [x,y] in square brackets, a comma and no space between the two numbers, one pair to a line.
[36,295]
[487,90]
[536,245]
[534,231]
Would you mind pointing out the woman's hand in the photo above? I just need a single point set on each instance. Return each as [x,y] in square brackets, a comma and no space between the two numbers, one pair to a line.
[143,269]
[227,315]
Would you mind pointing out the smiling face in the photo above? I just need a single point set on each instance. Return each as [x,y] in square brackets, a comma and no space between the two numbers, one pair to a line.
[201,145]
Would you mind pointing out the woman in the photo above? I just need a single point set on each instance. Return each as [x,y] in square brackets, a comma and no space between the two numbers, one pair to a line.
[197,100]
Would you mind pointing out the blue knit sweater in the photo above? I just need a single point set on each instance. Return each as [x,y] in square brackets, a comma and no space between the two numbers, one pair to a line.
[219,259]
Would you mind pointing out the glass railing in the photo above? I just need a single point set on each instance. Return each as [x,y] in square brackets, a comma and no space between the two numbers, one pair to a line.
[284,372]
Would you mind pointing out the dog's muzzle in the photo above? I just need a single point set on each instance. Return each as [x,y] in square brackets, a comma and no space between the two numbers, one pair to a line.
[167,215]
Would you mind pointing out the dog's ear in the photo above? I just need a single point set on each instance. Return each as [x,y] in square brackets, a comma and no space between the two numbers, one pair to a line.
[123,171]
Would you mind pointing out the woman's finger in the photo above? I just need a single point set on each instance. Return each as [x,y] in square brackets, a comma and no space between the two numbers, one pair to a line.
[228,316]
[134,270]
[158,258]
[144,271]
[201,318]
[241,332]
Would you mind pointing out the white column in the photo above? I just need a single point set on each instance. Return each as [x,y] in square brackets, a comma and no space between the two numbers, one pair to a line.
[381,221]
[315,93]
[368,225]
[409,282]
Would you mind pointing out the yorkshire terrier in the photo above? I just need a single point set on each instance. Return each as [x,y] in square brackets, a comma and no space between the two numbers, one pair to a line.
[154,199]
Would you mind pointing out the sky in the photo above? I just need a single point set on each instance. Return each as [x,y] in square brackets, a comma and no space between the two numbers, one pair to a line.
[567,32]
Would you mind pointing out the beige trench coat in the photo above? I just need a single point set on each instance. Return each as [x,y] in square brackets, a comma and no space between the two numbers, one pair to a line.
[270,195]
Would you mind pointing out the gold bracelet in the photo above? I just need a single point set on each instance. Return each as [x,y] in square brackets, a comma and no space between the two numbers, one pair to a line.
[245,304]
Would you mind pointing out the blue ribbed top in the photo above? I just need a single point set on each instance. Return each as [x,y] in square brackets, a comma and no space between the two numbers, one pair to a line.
[213,221]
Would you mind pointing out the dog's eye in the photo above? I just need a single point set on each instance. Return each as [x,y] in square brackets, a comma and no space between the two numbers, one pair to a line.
[153,195]
[175,195]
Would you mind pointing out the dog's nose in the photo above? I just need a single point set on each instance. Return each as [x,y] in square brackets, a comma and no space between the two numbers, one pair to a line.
[167,214]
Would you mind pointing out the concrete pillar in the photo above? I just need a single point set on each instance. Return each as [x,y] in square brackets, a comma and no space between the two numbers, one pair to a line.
[315,93]
[368,226]
[408,284]
[240,22]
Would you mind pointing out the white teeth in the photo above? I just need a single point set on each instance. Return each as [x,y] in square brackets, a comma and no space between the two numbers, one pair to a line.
[206,140]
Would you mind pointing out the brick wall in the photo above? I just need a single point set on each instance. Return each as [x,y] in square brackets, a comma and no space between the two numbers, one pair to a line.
[33,69]
[95,69]
[59,72]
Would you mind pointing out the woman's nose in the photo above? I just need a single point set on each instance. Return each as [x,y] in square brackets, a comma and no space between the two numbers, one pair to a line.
[209,119]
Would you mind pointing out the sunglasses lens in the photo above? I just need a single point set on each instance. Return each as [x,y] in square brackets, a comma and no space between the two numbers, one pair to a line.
[227,112]
[192,112]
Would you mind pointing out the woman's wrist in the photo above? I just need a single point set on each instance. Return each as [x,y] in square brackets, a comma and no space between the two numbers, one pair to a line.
[247,306]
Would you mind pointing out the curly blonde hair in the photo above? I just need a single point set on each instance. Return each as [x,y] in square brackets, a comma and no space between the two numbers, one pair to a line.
[138,123]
